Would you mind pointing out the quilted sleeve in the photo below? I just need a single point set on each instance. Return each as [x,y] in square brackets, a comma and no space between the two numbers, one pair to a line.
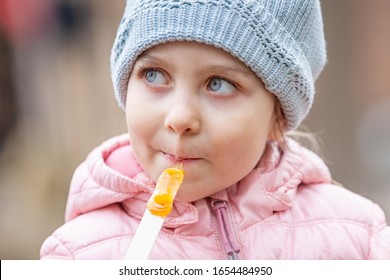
[380,237]
[52,248]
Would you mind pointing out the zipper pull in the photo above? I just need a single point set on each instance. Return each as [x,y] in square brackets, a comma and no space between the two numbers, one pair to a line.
[220,209]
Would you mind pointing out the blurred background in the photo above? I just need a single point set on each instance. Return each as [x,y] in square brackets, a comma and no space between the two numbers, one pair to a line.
[57,103]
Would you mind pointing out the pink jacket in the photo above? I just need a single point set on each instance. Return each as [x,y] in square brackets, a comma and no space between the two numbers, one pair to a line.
[286,208]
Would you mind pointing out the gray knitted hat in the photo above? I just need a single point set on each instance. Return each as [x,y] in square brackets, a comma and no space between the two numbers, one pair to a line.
[282,41]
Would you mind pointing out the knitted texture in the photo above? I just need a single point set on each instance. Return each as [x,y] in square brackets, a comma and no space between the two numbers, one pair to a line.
[281,41]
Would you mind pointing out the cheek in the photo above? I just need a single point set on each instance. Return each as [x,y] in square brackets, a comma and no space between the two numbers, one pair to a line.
[243,145]
[144,117]
[135,123]
[139,111]
[241,151]
[140,124]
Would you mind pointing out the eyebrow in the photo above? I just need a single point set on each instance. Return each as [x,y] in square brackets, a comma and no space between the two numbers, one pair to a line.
[230,69]
[146,56]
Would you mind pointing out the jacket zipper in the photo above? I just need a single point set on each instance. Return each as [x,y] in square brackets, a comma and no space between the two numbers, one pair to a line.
[225,227]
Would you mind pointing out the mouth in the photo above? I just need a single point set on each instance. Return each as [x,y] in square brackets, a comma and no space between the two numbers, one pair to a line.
[179,158]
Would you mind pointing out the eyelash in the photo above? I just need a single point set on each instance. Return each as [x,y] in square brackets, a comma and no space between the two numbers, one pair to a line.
[234,84]
[142,70]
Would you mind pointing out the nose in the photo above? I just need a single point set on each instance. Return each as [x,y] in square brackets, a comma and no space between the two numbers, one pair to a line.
[183,115]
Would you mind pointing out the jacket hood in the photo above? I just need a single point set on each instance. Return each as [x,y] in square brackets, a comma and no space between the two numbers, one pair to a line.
[111,174]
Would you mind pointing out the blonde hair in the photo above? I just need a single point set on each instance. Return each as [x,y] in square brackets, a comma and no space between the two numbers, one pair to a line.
[303,136]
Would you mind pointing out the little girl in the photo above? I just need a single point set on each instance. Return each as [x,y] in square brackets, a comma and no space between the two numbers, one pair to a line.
[215,85]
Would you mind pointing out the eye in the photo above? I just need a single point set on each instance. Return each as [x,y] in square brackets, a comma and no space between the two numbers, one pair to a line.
[221,86]
[155,77]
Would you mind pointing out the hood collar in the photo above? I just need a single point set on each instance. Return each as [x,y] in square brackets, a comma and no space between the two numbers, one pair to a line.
[102,180]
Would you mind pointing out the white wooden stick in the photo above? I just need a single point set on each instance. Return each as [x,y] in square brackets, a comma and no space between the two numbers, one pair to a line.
[145,236]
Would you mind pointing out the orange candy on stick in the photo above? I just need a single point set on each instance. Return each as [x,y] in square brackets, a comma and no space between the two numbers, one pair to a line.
[161,201]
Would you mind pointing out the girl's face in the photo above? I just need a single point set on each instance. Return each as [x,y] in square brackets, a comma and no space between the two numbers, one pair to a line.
[198,105]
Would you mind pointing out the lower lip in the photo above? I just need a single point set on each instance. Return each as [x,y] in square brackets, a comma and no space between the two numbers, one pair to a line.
[173,160]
